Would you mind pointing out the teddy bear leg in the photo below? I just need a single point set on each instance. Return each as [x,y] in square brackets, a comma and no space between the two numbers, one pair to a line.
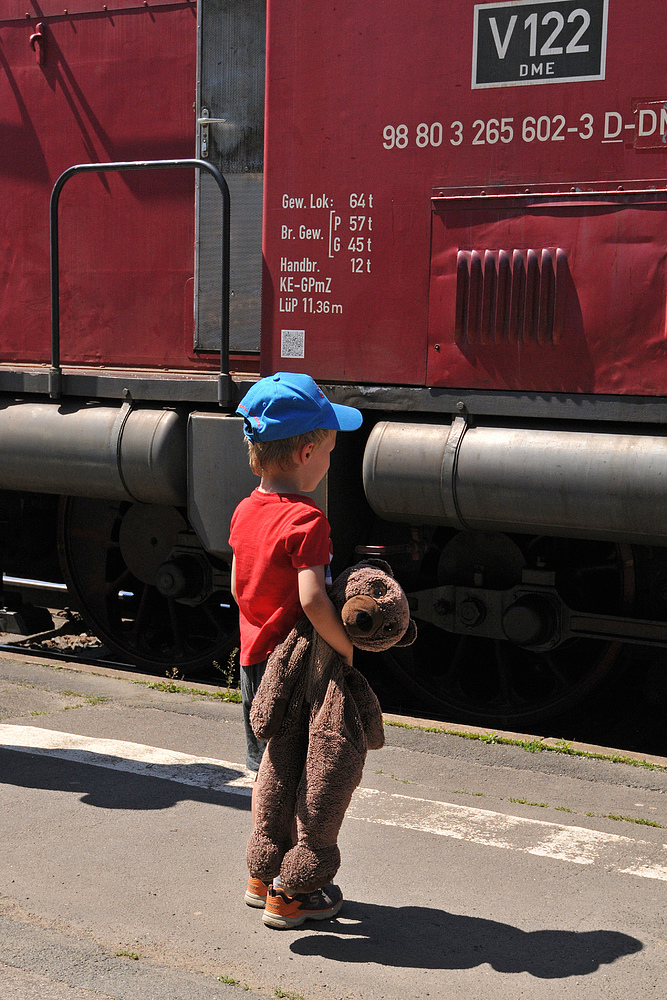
[333,770]
[275,800]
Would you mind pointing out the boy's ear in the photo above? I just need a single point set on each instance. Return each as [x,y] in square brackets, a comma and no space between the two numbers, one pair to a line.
[304,452]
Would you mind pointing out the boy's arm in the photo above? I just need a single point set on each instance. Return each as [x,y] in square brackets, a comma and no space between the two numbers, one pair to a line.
[320,611]
[234,578]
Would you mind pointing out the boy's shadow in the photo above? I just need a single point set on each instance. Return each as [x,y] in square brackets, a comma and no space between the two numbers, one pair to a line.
[111,787]
[422,938]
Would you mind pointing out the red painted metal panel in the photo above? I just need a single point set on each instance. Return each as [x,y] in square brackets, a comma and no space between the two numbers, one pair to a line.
[585,313]
[112,86]
[391,101]
[38,10]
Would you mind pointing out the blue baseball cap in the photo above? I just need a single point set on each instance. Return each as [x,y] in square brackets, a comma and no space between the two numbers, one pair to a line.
[289,403]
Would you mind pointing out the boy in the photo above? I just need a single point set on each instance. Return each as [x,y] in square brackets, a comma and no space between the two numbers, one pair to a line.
[280,567]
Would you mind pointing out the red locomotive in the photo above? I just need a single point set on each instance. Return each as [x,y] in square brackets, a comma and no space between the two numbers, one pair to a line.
[451,215]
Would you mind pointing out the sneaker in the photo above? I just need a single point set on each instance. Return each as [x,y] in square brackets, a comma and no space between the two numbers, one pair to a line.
[255,894]
[283,911]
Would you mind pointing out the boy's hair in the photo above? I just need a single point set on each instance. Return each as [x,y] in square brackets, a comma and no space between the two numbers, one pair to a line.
[264,455]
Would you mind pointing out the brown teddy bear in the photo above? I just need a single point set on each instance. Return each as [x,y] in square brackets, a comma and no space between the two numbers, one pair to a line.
[320,717]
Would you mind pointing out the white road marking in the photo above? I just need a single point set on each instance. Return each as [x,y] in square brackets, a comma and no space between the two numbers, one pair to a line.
[574,844]
[204,772]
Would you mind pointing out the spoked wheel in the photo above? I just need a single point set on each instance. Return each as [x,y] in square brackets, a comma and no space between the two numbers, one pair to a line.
[496,683]
[109,553]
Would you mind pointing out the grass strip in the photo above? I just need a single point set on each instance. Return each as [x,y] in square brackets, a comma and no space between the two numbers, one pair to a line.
[532,746]
[171,687]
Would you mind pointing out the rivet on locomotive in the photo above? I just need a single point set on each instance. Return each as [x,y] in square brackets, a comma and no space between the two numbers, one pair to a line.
[451,215]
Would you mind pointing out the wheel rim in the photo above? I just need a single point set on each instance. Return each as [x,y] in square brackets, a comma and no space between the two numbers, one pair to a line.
[493,682]
[128,613]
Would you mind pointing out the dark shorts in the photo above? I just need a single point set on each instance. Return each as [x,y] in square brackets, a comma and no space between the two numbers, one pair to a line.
[250,678]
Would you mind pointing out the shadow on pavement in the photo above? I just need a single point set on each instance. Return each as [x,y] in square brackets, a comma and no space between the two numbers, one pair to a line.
[107,788]
[422,938]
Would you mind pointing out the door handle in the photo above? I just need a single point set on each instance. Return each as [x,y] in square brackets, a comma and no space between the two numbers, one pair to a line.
[204,123]
[37,42]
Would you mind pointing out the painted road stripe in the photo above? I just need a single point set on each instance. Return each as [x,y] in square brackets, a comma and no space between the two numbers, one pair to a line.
[204,772]
[574,844]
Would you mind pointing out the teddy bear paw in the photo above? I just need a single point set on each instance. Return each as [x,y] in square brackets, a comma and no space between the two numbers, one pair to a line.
[305,868]
[263,856]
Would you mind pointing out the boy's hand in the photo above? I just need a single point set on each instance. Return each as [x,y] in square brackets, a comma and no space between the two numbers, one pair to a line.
[321,612]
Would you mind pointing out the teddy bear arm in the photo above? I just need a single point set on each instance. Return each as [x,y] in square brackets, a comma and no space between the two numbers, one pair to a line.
[266,727]
[368,707]
[273,695]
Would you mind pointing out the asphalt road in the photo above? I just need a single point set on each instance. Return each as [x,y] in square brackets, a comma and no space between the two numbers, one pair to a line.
[471,870]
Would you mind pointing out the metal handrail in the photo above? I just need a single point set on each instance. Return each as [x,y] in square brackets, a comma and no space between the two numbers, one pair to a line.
[55,374]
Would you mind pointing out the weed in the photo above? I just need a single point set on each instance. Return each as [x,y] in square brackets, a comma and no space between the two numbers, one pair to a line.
[490,738]
[633,819]
[525,802]
[286,995]
[532,746]
[39,713]
[172,688]
[462,792]
[90,699]
[229,981]
[563,809]
[128,954]
[230,672]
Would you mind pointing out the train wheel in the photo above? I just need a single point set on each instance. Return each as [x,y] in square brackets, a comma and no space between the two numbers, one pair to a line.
[496,683]
[109,552]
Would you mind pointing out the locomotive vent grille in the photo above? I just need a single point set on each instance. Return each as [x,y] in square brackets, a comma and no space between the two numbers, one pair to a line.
[510,296]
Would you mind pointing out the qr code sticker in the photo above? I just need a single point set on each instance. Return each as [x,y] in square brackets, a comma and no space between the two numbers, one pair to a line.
[292,343]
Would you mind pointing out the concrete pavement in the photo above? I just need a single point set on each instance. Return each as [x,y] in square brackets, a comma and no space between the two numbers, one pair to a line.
[470,869]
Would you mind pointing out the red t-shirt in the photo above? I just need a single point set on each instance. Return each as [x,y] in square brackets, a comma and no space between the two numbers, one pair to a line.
[273,535]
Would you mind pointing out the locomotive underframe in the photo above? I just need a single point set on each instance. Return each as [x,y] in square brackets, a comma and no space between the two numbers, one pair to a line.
[532,613]
[200,388]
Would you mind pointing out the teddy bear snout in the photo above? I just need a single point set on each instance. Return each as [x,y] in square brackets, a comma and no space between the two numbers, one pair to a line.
[364,621]
[361,616]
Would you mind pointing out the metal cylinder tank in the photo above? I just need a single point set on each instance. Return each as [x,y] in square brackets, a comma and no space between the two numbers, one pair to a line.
[559,482]
[92,450]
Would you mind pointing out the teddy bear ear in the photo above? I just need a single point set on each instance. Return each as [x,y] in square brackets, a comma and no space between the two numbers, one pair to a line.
[378,564]
[410,635]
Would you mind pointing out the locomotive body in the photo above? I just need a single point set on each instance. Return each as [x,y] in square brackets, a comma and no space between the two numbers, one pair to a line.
[462,234]
[477,194]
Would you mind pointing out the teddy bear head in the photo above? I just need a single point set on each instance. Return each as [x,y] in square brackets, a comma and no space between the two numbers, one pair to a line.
[373,607]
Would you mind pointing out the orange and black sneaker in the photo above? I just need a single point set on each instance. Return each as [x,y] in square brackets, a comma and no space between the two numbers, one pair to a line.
[284,911]
[255,894]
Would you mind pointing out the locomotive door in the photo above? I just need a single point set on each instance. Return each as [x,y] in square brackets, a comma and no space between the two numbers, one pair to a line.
[230,95]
